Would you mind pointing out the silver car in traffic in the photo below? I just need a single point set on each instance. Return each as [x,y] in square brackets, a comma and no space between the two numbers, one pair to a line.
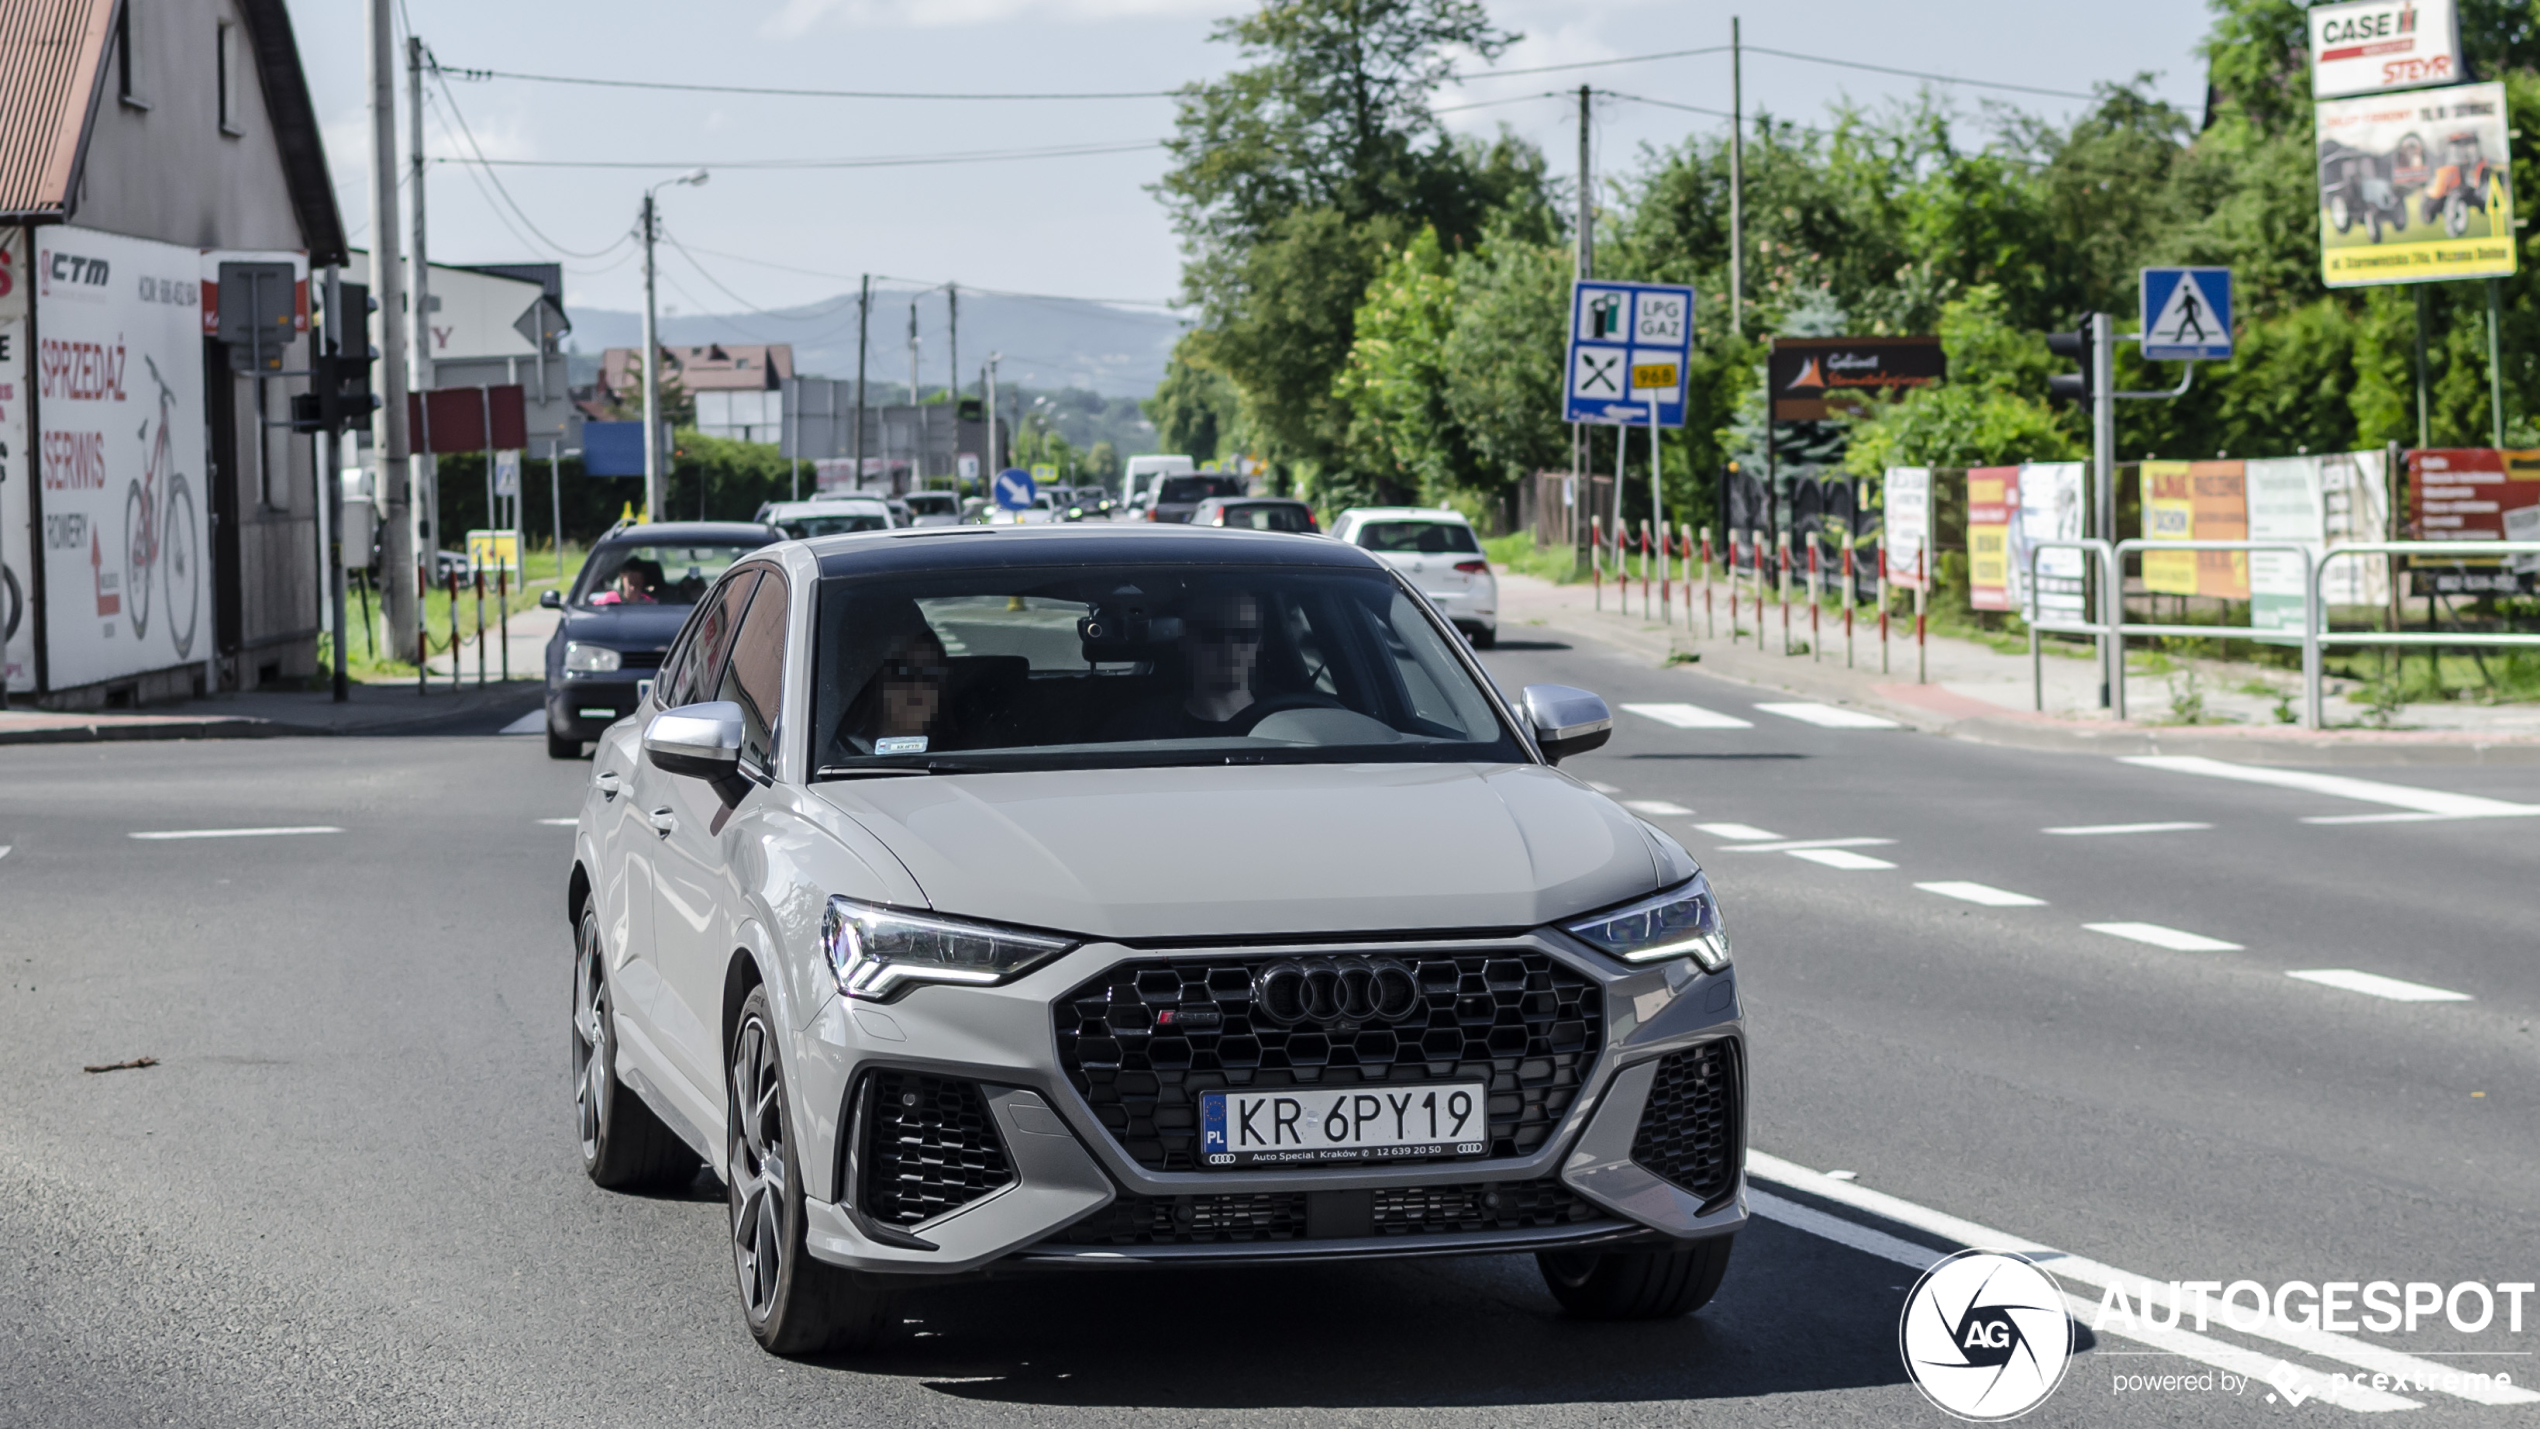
[991,898]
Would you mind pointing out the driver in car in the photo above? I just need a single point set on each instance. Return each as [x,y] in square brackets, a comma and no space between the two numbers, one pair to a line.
[635,583]
[1220,648]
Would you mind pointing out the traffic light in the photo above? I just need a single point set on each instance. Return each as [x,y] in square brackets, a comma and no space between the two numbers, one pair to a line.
[2074,387]
[339,395]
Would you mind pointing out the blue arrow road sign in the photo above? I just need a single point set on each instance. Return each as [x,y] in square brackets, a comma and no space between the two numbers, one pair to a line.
[1014,489]
[1630,344]
[2186,314]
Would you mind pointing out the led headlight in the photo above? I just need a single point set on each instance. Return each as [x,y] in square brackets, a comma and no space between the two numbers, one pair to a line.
[876,953]
[1683,922]
[584,659]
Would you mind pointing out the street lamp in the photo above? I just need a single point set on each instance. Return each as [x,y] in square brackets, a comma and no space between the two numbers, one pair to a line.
[655,489]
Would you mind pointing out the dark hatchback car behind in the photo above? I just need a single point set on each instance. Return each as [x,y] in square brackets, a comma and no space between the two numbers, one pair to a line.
[1178,496]
[632,596]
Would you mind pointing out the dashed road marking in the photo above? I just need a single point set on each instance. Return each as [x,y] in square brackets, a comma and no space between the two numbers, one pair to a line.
[239,833]
[1984,893]
[1656,808]
[1786,845]
[2172,827]
[1842,858]
[1689,717]
[534,722]
[1829,716]
[2436,802]
[2160,937]
[560,823]
[1736,832]
[2165,1298]
[2375,985]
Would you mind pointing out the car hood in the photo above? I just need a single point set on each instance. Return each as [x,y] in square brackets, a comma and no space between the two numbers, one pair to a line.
[1258,850]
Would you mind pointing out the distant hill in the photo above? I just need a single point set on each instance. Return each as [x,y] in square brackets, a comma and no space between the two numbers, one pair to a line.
[1047,343]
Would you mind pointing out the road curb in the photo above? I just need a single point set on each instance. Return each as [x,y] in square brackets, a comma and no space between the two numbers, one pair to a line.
[92,727]
[91,732]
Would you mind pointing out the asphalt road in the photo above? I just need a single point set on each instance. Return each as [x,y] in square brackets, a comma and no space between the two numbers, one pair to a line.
[348,1193]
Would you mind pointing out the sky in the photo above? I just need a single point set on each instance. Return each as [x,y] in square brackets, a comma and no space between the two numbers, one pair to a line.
[1077,226]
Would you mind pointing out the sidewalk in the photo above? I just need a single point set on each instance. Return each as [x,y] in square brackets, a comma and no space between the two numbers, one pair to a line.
[1974,692]
[384,707]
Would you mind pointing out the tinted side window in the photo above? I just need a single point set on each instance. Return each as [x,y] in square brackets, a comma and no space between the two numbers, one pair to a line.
[755,678]
[700,656]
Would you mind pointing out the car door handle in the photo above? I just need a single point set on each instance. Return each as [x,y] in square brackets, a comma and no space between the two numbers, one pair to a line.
[663,821]
[607,780]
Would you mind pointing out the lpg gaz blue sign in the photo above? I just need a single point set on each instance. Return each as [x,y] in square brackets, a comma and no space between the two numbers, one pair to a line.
[1630,345]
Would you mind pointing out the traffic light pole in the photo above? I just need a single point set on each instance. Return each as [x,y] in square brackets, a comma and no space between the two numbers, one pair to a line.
[2103,463]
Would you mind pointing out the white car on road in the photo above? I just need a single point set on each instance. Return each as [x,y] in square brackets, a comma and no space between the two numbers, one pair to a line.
[1437,550]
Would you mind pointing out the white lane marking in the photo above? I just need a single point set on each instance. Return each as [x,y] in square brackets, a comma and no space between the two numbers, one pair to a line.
[2395,818]
[1689,717]
[4,849]
[560,823]
[239,833]
[1786,845]
[2184,1343]
[1984,893]
[2160,937]
[2322,1343]
[531,723]
[2370,791]
[2179,826]
[1604,788]
[1656,808]
[1829,716]
[1842,858]
[1736,832]
[2375,985]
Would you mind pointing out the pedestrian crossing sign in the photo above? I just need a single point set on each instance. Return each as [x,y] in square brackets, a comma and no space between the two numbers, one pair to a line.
[2186,314]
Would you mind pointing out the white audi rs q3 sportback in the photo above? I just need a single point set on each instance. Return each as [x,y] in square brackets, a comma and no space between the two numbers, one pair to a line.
[974,898]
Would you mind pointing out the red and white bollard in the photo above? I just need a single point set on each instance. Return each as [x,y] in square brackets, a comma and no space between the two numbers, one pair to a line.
[1596,559]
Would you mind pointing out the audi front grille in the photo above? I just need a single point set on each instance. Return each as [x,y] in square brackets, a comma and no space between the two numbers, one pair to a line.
[1269,1216]
[1144,1040]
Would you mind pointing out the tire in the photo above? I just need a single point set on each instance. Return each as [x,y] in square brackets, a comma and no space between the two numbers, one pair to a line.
[178,566]
[12,605]
[2341,214]
[136,560]
[793,1304]
[1636,1284]
[562,746]
[2456,215]
[624,1146]
[1486,637]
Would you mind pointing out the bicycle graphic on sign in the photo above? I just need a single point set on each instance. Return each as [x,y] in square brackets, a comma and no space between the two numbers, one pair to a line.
[159,535]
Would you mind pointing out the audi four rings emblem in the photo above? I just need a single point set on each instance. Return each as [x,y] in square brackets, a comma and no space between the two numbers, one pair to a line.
[1338,992]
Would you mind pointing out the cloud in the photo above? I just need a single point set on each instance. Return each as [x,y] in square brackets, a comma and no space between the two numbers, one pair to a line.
[800,17]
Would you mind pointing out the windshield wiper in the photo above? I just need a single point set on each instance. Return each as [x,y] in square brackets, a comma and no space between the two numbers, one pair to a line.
[870,771]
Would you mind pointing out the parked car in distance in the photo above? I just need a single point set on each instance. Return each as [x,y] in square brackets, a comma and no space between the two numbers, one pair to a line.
[933,508]
[1176,497]
[830,516]
[1255,513]
[1438,552]
[636,588]
[974,903]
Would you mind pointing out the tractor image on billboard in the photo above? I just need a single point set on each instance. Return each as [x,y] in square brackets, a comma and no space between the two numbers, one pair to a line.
[2461,185]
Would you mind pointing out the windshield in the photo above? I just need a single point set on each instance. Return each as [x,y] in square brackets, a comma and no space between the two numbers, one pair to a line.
[1424,538]
[932,503]
[632,573]
[1180,490]
[834,523]
[1141,665]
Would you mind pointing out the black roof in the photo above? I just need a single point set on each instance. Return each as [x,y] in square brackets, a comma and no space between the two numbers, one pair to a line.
[697,533]
[943,548]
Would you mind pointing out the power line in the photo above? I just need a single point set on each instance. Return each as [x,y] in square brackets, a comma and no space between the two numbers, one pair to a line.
[1593,64]
[783,93]
[705,273]
[450,103]
[878,161]
[1918,74]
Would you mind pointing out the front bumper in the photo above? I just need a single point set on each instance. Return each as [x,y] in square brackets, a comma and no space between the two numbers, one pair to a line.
[584,706]
[1055,1178]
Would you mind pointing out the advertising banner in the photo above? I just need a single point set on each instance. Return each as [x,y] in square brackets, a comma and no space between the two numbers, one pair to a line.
[2413,187]
[2284,505]
[1813,377]
[2476,494]
[2355,507]
[1993,498]
[17,534]
[2366,46]
[119,368]
[1908,499]
[2050,508]
[2196,501]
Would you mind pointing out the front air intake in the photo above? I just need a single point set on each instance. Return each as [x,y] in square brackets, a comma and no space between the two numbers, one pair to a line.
[929,1147]
[1688,1134]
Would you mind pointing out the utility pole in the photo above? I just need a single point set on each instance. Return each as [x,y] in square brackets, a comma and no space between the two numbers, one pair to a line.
[912,354]
[1737,182]
[988,470]
[1580,483]
[336,339]
[427,486]
[397,594]
[952,349]
[654,492]
[863,315]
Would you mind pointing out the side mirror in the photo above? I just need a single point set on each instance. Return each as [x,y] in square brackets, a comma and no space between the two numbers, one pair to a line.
[702,741]
[1565,720]
[551,600]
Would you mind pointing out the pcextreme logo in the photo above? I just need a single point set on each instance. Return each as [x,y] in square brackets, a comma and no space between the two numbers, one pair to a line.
[1985,1335]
